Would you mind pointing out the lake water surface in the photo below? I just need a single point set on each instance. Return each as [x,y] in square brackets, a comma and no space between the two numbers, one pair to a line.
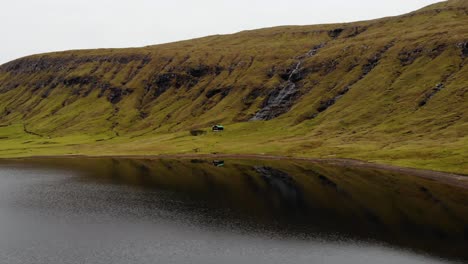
[77,210]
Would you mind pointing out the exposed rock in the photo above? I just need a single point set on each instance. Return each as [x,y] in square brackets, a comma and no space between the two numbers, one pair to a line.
[293,73]
[41,83]
[371,64]
[323,67]
[103,88]
[355,31]
[143,114]
[134,72]
[46,93]
[232,67]
[6,111]
[80,80]
[374,61]
[115,94]
[160,83]
[324,105]
[199,71]
[218,69]
[408,57]
[330,66]
[335,33]
[163,82]
[271,72]
[464,48]
[366,69]
[315,49]
[77,85]
[280,100]
[54,64]
[223,91]
[435,52]
[431,94]
[9,86]
[252,96]
[353,64]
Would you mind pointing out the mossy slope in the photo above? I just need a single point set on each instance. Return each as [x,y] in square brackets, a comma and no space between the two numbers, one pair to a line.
[390,90]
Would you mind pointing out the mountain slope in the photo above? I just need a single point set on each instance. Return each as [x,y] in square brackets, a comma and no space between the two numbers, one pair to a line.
[389,90]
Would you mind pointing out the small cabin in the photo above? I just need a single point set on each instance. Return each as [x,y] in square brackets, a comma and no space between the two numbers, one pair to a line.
[217,128]
[218,163]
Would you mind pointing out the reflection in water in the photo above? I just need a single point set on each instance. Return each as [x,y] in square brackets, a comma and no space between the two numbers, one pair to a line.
[293,198]
[279,185]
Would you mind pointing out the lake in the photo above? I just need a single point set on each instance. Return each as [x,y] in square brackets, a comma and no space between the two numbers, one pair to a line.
[105,210]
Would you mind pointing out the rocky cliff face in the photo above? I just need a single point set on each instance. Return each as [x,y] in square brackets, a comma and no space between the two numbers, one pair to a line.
[401,73]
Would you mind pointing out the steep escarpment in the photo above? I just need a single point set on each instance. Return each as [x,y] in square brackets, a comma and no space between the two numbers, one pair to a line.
[381,82]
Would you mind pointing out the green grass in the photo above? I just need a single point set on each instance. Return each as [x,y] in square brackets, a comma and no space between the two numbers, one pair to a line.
[243,138]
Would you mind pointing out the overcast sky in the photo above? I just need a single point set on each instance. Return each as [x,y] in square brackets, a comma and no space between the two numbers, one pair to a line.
[36,26]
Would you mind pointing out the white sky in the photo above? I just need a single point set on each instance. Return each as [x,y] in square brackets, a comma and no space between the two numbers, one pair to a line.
[36,26]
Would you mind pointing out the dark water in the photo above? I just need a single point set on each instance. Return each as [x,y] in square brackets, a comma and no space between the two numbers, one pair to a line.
[247,211]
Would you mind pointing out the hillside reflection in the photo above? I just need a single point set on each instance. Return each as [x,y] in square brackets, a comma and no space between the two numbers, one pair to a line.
[314,200]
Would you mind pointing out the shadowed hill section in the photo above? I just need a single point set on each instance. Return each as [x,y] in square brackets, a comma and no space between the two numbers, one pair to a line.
[388,86]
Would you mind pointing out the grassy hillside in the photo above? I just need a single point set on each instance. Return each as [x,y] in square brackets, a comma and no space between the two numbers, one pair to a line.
[392,90]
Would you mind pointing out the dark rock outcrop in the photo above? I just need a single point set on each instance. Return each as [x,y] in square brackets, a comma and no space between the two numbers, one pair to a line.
[49,63]
[436,51]
[407,57]
[80,80]
[115,95]
[366,69]
[278,102]
[252,96]
[431,94]
[353,32]
[160,83]
[335,33]
[271,72]
[293,73]
[223,91]
[324,105]
[315,49]
[464,49]
[199,71]
[282,98]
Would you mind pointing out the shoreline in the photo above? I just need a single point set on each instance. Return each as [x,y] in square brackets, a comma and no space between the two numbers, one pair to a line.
[453,179]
